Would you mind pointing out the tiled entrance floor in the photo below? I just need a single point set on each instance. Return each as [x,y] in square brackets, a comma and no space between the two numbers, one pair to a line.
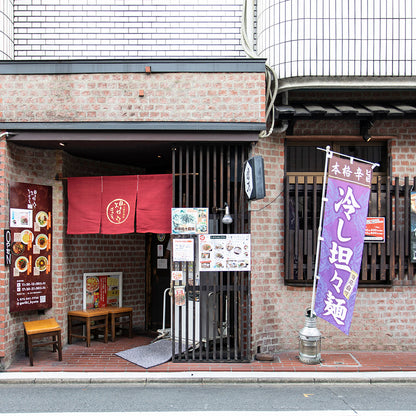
[101,357]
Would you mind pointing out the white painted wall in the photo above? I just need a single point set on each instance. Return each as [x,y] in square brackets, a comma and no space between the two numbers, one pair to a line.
[100,29]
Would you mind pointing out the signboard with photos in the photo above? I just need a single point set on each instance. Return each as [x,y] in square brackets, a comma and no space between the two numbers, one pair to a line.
[189,221]
[224,252]
[30,241]
[102,289]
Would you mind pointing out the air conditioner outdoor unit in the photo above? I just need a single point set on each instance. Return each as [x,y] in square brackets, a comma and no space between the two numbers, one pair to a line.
[199,315]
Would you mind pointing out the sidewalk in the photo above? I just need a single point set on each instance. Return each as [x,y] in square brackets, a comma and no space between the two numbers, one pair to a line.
[99,363]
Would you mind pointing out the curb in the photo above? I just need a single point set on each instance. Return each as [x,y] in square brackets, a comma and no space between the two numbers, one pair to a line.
[207,377]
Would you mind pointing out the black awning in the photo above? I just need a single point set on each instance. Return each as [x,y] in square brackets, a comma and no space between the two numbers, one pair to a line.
[361,111]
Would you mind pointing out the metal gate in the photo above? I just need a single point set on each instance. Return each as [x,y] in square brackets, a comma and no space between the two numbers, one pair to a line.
[214,323]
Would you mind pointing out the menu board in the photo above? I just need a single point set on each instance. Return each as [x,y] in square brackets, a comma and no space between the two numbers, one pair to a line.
[102,289]
[183,249]
[31,247]
[224,252]
[413,226]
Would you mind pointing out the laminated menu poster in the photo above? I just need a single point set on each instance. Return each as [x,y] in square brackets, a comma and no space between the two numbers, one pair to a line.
[102,289]
[189,220]
[413,227]
[224,252]
[31,247]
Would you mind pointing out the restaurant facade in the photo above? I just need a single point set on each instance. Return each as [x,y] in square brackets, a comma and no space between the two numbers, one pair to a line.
[199,119]
[45,147]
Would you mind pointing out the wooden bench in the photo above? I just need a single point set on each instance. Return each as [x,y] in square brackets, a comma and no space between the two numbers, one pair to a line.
[91,319]
[39,330]
[116,315]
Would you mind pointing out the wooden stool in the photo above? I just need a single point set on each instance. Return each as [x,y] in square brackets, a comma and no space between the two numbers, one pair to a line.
[92,319]
[116,315]
[42,329]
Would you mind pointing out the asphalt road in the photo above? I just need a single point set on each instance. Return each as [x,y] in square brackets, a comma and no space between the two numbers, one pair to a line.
[216,399]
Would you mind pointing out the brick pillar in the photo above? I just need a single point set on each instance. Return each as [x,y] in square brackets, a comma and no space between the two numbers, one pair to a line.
[268,248]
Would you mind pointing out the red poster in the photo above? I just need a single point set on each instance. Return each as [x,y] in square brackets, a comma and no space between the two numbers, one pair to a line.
[375,229]
[102,289]
[154,204]
[118,204]
[31,247]
[103,292]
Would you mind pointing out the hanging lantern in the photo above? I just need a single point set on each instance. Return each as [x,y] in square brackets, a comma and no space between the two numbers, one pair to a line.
[310,340]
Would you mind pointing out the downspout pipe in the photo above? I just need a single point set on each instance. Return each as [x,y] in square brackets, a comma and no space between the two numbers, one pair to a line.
[247,35]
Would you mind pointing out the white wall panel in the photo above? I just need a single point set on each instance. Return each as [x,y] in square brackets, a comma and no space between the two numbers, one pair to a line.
[78,29]
[338,37]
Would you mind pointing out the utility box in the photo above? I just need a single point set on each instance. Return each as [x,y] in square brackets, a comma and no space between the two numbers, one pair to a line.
[196,320]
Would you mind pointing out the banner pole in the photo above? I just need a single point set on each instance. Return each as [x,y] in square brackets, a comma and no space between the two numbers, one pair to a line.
[318,243]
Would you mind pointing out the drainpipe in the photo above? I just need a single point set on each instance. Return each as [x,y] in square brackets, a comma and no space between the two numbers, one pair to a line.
[247,36]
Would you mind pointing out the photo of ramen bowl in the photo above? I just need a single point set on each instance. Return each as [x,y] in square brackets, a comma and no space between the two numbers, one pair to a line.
[42,241]
[41,218]
[237,250]
[41,263]
[21,263]
[18,248]
[92,284]
[27,237]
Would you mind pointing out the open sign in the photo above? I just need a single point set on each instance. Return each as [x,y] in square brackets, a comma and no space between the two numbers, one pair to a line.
[7,248]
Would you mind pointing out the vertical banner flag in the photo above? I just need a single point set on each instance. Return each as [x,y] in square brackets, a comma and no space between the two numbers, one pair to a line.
[413,226]
[348,192]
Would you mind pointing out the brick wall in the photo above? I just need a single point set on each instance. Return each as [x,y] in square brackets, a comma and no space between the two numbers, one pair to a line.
[32,166]
[91,29]
[383,319]
[208,97]
[73,255]
[267,248]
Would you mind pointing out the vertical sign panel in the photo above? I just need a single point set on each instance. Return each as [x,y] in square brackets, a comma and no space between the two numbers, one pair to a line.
[31,247]
[413,226]
[349,187]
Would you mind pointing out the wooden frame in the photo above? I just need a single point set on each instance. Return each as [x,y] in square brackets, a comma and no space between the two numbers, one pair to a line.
[383,264]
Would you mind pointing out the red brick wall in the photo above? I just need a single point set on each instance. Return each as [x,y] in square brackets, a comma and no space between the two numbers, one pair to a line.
[73,255]
[383,318]
[32,166]
[268,249]
[210,97]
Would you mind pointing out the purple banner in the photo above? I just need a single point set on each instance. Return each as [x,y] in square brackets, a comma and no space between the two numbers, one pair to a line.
[343,231]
